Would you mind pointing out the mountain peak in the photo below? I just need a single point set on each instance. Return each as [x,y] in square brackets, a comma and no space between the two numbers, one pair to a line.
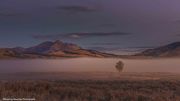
[58,42]
[51,49]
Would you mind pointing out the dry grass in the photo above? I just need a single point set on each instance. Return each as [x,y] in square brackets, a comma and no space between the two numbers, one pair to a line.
[122,90]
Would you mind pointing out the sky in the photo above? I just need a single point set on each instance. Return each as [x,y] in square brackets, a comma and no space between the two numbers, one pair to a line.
[90,23]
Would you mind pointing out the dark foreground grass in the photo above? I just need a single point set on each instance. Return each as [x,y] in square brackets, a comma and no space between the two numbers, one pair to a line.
[123,90]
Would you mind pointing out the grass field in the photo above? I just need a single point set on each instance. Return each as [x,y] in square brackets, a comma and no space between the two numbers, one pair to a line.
[166,88]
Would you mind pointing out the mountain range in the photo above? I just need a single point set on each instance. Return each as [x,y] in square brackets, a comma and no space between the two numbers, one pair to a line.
[59,49]
[170,50]
[51,50]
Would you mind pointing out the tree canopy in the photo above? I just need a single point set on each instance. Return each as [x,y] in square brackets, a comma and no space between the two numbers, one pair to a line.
[119,66]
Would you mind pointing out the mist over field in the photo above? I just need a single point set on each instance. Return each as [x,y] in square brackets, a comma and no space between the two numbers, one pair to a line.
[90,65]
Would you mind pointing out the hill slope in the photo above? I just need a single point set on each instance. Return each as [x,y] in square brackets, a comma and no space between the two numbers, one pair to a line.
[170,50]
[51,50]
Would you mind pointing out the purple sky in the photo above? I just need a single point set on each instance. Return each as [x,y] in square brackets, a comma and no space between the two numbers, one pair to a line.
[130,23]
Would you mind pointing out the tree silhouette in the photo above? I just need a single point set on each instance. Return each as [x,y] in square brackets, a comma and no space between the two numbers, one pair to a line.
[119,66]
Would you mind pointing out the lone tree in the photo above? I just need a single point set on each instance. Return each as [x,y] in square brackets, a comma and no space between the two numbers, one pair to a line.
[119,66]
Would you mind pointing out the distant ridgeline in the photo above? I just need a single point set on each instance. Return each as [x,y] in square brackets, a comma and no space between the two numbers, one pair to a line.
[51,50]
[170,50]
[58,49]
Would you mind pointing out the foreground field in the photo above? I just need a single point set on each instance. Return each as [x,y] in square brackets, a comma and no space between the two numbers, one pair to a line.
[128,87]
[149,90]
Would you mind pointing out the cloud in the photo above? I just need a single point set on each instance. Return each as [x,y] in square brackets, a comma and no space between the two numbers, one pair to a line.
[108,25]
[77,9]
[98,34]
[105,43]
[79,35]
[7,13]
[177,35]
[176,21]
